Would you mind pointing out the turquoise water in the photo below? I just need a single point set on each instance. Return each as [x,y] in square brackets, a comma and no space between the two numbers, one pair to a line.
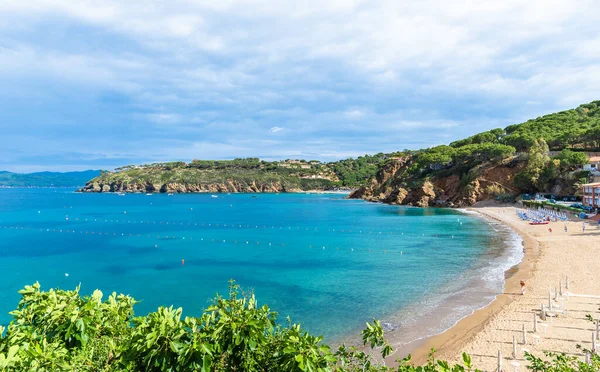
[330,263]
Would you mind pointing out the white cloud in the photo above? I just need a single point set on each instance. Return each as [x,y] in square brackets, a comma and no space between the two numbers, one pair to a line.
[384,71]
[163,118]
[457,46]
[354,114]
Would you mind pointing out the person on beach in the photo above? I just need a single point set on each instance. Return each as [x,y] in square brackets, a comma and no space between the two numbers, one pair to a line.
[566,228]
[522,287]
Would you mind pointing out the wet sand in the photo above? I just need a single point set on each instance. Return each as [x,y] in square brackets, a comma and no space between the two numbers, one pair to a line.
[546,261]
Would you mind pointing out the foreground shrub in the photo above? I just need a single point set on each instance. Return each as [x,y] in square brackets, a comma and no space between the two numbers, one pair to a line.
[60,330]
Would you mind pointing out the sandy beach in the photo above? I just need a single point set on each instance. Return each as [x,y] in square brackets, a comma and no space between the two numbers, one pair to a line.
[548,259]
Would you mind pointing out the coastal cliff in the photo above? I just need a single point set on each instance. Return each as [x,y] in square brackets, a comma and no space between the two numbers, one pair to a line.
[545,155]
[249,175]
[395,185]
[238,175]
[232,186]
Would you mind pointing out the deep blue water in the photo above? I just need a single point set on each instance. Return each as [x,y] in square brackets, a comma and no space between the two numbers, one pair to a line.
[330,263]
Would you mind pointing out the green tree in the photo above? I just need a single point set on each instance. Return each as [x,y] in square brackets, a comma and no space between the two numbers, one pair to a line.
[530,179]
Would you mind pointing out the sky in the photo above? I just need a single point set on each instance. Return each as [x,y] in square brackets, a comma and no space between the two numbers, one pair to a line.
[93,84]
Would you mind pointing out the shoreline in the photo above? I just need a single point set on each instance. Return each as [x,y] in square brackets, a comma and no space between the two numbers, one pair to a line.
[79,190]
[450,342]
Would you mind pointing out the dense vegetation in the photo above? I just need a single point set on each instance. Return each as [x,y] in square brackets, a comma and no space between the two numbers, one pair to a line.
[59,330]
[567,131]
[46,179]
[290,174]
[577,128]
[525,147]
[543,172]
[354,172]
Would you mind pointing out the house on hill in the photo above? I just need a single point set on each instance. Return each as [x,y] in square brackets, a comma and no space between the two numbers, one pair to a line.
[593,164]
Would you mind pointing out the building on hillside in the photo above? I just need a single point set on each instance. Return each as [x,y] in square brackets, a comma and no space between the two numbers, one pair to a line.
[591,195]
[593,164]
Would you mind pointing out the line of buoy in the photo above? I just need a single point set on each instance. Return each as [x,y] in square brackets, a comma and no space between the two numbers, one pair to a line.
[163,237]
[228,225]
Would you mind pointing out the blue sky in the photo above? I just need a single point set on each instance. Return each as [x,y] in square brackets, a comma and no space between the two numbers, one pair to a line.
[99,84]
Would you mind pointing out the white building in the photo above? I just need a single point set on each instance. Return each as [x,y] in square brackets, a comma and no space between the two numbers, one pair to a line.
[593,164]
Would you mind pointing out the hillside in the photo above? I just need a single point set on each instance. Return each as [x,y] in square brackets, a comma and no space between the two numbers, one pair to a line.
[500,163]
[46,179]
[239,175]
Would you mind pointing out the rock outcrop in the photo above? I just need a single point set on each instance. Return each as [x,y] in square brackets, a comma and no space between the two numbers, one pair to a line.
[395,185]
[228,186]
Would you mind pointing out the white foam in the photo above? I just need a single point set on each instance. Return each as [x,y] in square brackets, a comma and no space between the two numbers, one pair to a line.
[449,305]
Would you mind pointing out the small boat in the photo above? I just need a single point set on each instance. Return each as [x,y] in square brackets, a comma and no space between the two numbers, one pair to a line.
[170,194]
[214,196]
[539,223]
[148,194]
[121,194]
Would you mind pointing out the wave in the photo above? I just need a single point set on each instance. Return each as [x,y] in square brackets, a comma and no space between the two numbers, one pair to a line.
[478,286]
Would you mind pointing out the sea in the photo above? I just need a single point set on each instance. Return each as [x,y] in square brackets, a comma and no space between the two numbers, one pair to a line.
[329,263]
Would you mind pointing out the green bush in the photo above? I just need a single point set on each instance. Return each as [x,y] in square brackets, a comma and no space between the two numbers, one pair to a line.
[60,330]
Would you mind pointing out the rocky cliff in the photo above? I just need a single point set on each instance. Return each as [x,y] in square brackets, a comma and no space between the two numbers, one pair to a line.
[395,184]
[228,186]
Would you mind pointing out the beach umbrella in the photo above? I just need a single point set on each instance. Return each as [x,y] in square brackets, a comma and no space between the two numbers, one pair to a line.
[543,313]
[597,329]
[593,342]
[499,361]
[515,347]
[560,287]
[524,335]
[534,323]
